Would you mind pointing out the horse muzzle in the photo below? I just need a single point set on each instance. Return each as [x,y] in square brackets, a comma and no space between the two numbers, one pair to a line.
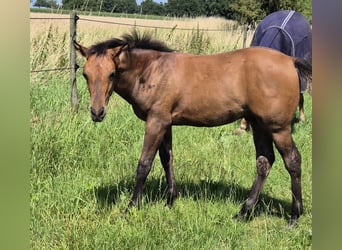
[97,115]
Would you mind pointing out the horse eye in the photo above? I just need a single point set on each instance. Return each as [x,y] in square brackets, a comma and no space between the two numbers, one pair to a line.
[112,75]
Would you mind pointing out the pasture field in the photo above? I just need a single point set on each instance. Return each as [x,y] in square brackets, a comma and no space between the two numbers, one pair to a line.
[82,174]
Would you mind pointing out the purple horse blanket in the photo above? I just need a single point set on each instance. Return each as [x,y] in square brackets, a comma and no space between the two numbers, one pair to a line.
[288,32]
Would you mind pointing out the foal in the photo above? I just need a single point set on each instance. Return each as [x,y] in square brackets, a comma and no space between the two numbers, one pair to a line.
[166,88]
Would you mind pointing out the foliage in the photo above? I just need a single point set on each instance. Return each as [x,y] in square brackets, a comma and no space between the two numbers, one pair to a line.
[152,8]
[244,11]
[185,8]
[119,6]
[247,11]
[198,8]
[45,3]
[251,11]
[302,6]
[124,6]
[219,8]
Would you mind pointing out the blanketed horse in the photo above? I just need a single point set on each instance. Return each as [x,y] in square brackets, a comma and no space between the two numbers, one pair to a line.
[166,88]
[288,32]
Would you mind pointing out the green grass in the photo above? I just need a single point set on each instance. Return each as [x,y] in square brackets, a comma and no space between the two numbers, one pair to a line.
[82,177]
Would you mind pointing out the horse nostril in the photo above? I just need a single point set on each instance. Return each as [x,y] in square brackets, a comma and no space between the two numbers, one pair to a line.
[101,112]
[92,111]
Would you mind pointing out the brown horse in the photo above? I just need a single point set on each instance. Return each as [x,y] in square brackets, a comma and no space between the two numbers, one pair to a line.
[166,88]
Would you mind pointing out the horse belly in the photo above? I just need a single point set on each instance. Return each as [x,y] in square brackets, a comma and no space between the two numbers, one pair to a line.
[210,121]
[207,114]
[211,100]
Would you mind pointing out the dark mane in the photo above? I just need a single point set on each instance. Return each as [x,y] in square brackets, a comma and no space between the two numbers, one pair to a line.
[101,48]
[134,40]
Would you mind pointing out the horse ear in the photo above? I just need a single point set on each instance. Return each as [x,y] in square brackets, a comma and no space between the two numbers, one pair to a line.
[81,49]
[117,50]
[120,56]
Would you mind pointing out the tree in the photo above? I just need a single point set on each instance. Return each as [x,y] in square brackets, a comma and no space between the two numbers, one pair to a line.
[302,6]
[244,11]
[125,6]
[247,11]
[73,4]
[121,6]
[199,8]
[151,7]
[46,3]
[219,8]
[185,8]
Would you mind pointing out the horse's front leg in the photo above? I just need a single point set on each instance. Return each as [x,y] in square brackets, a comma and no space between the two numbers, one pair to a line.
[166,158]
[154,133]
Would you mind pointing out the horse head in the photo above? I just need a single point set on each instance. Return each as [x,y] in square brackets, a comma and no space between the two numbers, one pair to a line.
[101,73]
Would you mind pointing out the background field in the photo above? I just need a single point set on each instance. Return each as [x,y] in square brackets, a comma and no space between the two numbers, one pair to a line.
[82,173]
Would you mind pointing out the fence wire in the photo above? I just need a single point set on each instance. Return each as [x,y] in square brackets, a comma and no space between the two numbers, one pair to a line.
[47,70]
[50,18]
[148,26]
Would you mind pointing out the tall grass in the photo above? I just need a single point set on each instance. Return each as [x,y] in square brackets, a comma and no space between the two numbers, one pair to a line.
[50,38]
[82,174]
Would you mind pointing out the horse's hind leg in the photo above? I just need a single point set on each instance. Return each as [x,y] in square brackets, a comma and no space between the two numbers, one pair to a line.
[301,107]
[166,158]
[292,159]
[264,160]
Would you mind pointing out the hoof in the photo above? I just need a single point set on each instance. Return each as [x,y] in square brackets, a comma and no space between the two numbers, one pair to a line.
[239,217]
[131,205]
[128,210]
[243,217]
[293,223]
[169,203]
[245,214]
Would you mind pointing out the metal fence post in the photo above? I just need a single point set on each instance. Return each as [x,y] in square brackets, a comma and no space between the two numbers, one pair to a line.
[73,64]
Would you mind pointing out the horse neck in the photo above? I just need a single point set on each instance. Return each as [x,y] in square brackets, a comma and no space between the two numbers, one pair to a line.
[139,60]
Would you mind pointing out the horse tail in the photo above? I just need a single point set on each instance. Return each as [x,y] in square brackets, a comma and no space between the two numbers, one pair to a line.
[304,70]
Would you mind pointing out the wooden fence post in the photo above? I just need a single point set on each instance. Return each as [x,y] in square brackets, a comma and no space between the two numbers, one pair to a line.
[244,38]
[73,64]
